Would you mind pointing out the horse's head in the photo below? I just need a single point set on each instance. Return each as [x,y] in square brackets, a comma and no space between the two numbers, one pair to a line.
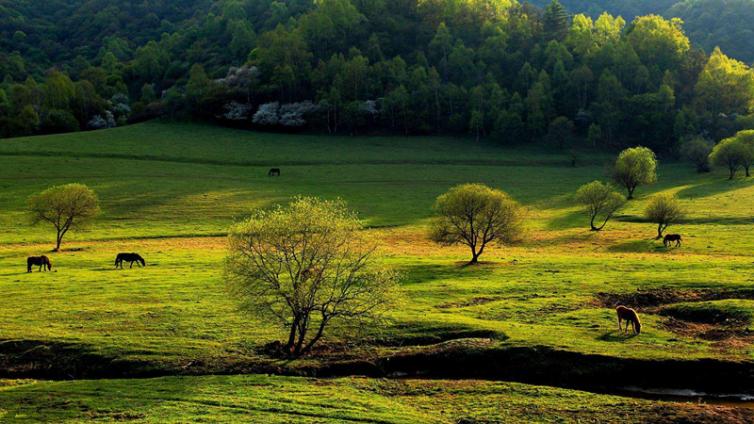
[637,325]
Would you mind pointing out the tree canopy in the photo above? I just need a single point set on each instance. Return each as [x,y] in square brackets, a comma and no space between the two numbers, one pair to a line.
[309,268]
[496,69]
[635,166]
[599,200]
[66,207]
[476,215]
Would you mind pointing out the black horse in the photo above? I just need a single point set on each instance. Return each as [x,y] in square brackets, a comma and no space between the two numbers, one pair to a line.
[669,238]
[274,172]
[42,261]
[129,257]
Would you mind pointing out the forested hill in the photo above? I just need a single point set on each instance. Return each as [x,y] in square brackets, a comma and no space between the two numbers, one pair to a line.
[728,24]
[511,72]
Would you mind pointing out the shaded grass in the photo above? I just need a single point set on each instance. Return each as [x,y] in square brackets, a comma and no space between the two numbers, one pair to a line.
[284,399]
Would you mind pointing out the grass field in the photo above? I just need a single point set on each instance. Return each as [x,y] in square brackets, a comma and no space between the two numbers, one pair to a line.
[170,191]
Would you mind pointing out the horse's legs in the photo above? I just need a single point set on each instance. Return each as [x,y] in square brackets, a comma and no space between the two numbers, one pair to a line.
[132,264]
[620,326]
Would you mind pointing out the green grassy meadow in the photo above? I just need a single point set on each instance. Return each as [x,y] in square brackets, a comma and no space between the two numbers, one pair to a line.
[170,191]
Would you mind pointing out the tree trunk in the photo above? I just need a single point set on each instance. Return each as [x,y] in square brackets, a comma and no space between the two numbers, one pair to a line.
[58,241]
[660,229]
[631,192]
[591,223]
[732,173]
[474,256]
[747,171]
[292,336]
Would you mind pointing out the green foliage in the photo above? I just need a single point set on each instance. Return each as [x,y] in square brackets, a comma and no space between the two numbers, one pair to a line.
[555,21]
[66,207]
[734,153]
[307,267]
[635,166]
[725,86]
[599,199]
[697,151]
[663,210]
[459,67]
[476,215]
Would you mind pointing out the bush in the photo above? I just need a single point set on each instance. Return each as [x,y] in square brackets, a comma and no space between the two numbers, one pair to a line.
[697,151]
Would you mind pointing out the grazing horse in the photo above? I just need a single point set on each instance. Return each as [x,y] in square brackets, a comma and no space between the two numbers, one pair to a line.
[630,316]
[42,261]
[129,257]
[274,172]
[669,238]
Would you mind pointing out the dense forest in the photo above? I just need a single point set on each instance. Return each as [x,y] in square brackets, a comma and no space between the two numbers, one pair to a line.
[728,24]
[499,69]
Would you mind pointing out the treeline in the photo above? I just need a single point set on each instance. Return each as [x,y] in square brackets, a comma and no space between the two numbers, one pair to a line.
[708,23]
[491,68]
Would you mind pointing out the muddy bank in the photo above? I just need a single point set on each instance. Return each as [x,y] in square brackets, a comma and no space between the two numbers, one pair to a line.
[460,359]
[659,297]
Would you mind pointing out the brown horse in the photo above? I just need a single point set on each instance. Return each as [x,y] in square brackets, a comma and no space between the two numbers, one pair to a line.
[42,261]
[630,316]
[669,238]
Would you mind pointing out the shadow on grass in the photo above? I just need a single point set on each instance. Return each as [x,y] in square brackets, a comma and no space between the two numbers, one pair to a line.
[714,187]
[638,246]
[418,274]
[573,219]
[614,336]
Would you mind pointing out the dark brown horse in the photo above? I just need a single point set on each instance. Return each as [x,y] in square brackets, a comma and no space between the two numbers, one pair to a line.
[42,261]
[129,257]
[274,172]
[630,316]
[669,238]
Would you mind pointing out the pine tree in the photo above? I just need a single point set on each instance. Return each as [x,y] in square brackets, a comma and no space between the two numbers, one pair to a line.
[555,22]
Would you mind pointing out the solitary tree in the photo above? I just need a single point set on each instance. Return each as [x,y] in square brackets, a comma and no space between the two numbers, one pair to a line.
[599,200]
[732,154]
[697,151]
[635,166]
[476,215]
[66,207]
[663,210]
[735,152]
[307,266]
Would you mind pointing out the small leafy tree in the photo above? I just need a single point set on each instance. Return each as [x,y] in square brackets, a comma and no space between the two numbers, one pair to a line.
[733,154]
[66,207]
[476,215]
[697,151]
[599,200]
[663,210]
[635,166]
[307,266]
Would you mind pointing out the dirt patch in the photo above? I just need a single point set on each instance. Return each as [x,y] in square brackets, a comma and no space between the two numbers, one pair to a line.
[708,314]
[665,296]
[727,337]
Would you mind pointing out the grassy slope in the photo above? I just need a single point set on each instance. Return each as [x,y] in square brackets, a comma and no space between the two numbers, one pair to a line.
[175,311]
[268,399]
